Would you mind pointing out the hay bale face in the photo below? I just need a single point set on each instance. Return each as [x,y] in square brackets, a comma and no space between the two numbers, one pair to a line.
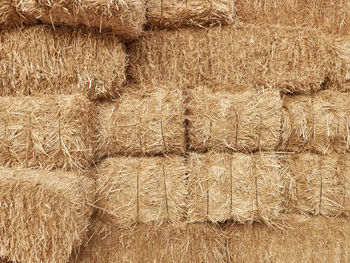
[285,58]
[42,60]
[244,121]
[180,13]
[239,187]
[47,132]
[132,190]
[125,18]
[43,216]
[143,121]
[330,16]
[318,185]
[319,123]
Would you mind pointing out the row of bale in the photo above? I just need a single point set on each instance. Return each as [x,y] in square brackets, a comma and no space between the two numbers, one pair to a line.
[46,215]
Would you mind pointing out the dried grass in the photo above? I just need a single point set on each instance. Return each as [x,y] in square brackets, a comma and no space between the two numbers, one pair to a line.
[47,132]
[43,216]
[246,121]
[124,17]
[332,16]
[42,60]
[308,240]
[319,123]
[239,187]
[179,13]
[145,120]
[147,190]
[286,58]
[318,185]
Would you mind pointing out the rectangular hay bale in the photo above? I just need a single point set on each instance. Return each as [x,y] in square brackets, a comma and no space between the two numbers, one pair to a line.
[319,123]
[44,216]
[145,189]
[238,187]
[47,132]
[246,121]
[289,59]
[180,13]
[144,120]
[40,60]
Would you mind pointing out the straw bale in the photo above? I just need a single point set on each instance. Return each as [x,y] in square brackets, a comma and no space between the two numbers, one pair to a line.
[318,185]
[332,16]
[319,123]
[145,120]
[246,121]
[239,187]
[179,13]
[285,58]
[145,189]
[44,216]
[307,240]
[43,60]
[47,132]
[124,17]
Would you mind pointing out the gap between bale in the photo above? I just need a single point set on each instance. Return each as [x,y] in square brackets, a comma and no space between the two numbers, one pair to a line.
[246,121]
[181,13]
[44,216]
[297,60]
[145,120]
[40,60]
[47,132]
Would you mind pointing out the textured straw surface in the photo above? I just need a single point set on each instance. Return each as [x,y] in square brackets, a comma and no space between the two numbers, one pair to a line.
[332,16]
[319,123]
[146,190]
[143,121]
[124,17]
[239,187]
[47,132]
[246,121]
[178,13]
[308,240]
[43,60]
[286,58]
[43,216]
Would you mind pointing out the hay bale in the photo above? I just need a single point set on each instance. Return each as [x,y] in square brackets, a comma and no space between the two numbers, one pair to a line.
[124,18]
[330,16]
[42,60]
[179,13]
[247,120]
[145,120]
[239,187]
[319,123]
[318,185]
[47,132]
[148,189]
[286,58]
[44,216]
[230,243]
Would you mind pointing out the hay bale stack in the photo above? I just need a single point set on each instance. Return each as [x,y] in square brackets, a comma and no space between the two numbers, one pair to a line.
[124,18]
[246,121]
[239,187]
[132,190]
[145,120]
[319,123]
[179,13]
[230,243]
[43,60]
[47,132]
[330,16]
[43,215]
[318,185]
[285,58]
